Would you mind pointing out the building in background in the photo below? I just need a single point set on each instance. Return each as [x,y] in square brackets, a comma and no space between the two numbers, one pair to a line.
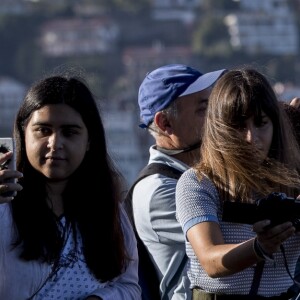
[11,95]
[77,36]
[123,144]
[286,92]
[264,27]
[118,49]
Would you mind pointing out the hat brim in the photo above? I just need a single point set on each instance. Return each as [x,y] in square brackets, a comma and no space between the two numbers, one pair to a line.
[203,82]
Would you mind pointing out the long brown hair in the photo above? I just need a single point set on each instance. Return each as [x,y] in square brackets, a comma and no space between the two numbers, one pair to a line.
[230,161]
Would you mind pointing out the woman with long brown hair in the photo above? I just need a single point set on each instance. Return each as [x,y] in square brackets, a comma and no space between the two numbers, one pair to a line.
[248,153]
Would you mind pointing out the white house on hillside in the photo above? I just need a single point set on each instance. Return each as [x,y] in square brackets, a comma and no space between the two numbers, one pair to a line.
[264,27]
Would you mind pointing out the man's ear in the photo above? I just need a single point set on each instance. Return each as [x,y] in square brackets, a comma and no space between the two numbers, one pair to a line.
[162,122]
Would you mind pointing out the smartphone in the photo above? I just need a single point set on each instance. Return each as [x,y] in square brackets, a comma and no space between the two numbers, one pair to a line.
[8,144]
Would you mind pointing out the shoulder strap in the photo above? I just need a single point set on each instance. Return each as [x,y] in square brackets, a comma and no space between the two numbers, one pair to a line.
[153,168]
[159,168]
[258,270]
[148,278]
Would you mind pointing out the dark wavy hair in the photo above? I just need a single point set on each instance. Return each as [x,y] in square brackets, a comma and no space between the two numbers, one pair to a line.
[91,198]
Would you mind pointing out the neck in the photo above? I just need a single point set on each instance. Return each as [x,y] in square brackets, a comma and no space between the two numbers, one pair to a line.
[189,158]
[189,155]
[54,197]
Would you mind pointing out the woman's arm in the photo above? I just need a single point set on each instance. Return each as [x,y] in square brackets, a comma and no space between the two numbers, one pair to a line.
[198,208]
[220,259]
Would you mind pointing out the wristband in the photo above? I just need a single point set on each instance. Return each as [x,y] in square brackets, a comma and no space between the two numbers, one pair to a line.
[259,251]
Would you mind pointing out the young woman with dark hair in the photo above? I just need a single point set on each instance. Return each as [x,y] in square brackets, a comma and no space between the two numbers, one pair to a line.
[65,234]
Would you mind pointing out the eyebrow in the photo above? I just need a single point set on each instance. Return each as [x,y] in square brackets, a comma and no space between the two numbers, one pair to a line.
[62,126]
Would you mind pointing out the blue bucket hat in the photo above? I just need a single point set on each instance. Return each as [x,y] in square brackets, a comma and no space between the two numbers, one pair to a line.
[165,84]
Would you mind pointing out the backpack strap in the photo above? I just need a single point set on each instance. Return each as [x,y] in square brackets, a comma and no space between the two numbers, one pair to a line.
[148,278]
[153,168]
[160,168]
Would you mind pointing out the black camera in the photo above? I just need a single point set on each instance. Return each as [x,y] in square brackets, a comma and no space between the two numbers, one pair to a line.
[276,207]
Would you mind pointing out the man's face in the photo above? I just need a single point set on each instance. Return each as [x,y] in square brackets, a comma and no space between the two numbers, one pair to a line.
[190,119]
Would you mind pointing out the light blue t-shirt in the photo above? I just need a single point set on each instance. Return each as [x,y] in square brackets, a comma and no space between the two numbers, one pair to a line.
[154,212]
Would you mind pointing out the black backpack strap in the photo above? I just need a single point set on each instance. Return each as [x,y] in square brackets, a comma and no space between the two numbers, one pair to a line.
[153,168]
[159,168]
[148,278]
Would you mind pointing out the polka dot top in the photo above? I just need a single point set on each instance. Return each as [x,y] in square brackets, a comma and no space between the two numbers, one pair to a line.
[71,278]
[198,202]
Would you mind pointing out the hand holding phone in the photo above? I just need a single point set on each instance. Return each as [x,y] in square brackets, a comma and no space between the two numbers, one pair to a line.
[7,144]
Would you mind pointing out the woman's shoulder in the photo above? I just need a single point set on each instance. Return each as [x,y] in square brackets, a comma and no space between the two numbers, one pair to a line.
[189,173]
[5,212]
[6,222]
[191,182]
[193,175]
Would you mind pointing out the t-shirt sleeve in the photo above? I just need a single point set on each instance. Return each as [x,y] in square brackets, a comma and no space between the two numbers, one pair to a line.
[196,200]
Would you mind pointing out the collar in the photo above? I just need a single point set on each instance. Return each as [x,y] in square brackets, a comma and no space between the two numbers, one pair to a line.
[177,151]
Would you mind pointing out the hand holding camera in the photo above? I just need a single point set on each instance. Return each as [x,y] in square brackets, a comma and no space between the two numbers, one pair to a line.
[276,207]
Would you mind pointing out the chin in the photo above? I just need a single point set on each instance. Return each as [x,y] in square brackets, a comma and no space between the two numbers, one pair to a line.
[55,177]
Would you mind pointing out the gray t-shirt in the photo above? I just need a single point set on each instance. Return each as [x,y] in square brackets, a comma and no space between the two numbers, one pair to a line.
[154,212]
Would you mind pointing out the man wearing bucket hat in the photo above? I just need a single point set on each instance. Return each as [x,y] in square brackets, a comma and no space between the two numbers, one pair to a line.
[172,101]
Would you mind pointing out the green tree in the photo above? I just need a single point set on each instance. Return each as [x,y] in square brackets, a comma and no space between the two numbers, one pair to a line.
[211,38]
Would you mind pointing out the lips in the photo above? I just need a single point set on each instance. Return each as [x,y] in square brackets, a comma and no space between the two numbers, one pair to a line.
[54,158]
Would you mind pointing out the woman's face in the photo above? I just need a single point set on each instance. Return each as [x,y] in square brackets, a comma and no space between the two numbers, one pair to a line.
[259,132]
[56,141]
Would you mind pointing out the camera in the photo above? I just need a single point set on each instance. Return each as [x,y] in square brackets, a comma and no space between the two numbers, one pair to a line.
[276,207]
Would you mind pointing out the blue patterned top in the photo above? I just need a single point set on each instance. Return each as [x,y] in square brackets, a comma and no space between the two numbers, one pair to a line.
[198,202]
[70,279]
